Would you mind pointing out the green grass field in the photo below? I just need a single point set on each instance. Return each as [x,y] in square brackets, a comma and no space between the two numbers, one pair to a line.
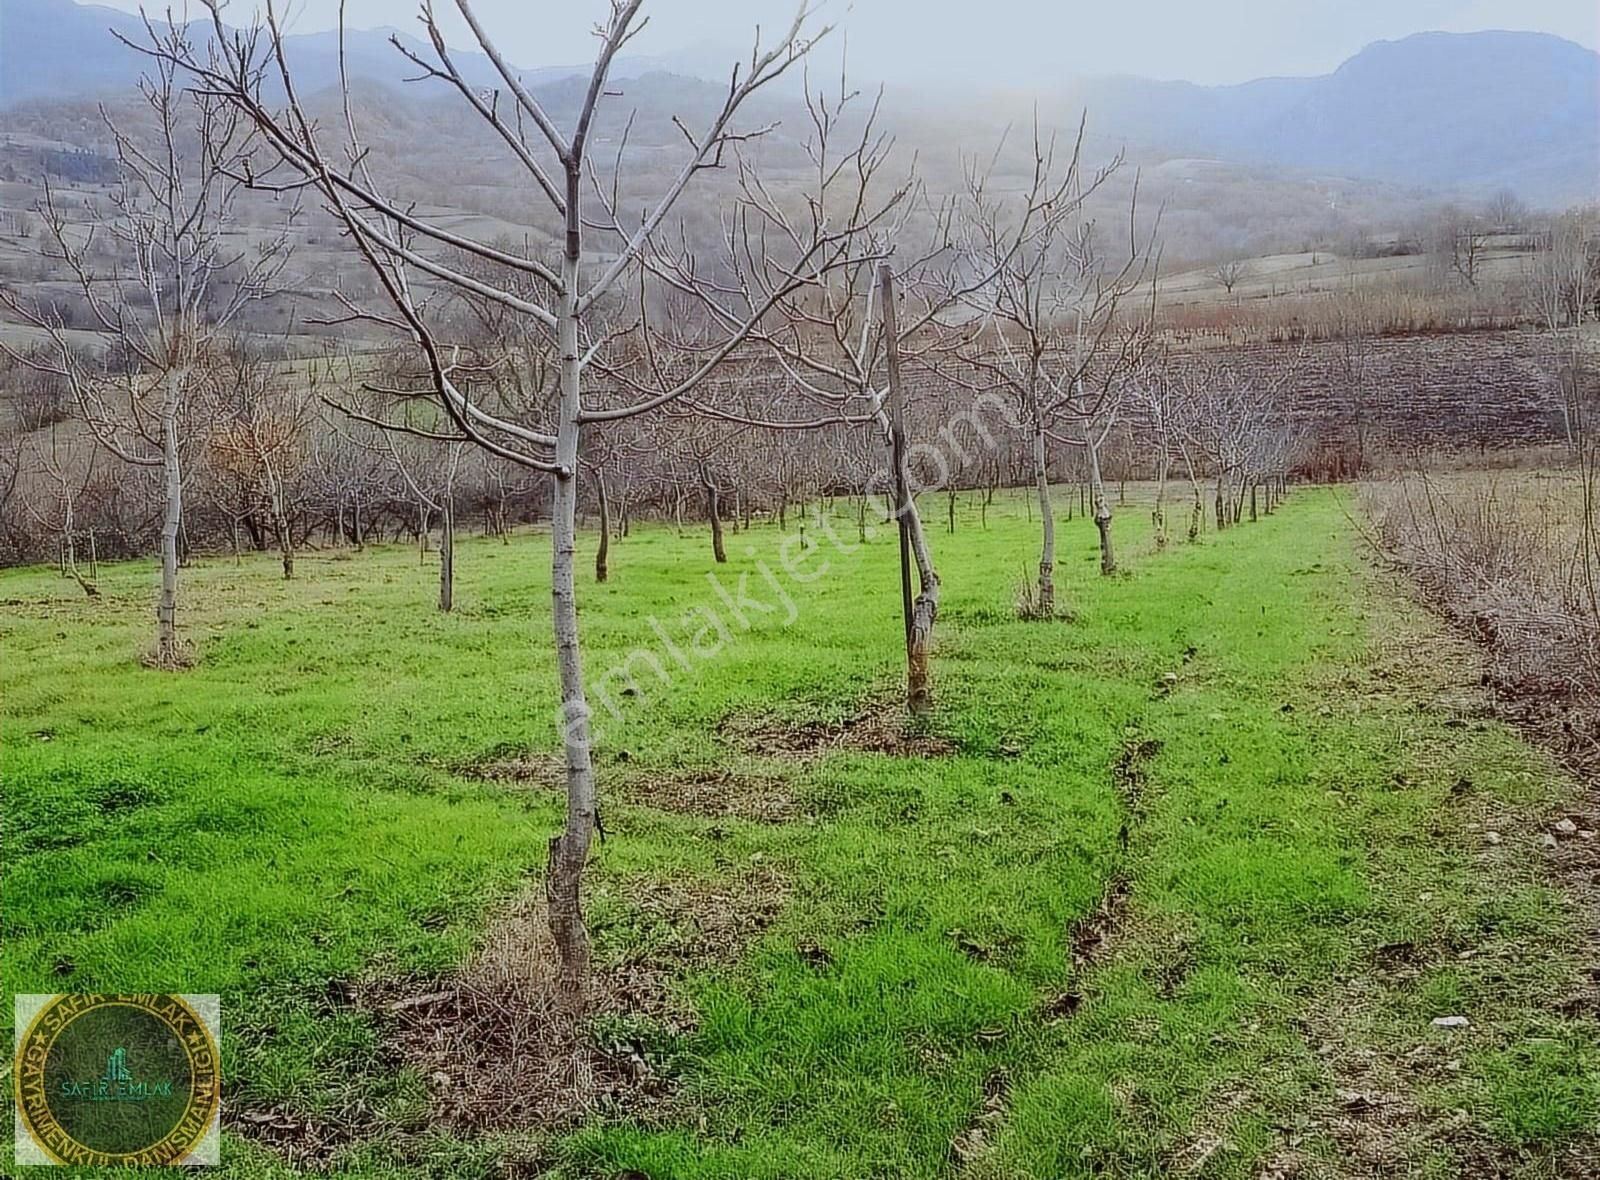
[1180,894]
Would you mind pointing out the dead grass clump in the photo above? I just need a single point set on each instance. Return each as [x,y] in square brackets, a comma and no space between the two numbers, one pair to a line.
[715,794]
[1029,607]
[488,1039]
[507,766]
[179,660]
[881,727]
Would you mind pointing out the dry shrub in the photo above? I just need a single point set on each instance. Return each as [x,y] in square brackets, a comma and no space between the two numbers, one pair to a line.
[1516,560]
[1029,608]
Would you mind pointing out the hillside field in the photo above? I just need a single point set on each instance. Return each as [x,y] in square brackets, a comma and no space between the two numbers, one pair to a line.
[1173,887]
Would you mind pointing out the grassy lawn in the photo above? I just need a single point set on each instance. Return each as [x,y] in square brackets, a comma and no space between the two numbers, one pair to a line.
[1179,893]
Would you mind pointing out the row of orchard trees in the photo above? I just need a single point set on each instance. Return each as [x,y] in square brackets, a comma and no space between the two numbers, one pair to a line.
[851,334]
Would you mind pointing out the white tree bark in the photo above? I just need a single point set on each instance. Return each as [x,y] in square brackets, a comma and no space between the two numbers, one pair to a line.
[167,655]
[569,851]
[1047,520]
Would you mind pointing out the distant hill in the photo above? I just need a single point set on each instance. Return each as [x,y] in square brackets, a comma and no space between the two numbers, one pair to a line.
[55,49]
[1456,113]
[58,49]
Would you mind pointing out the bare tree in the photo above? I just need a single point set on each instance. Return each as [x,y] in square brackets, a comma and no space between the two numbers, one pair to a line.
[1506,212]
[1156,396]
[838,342]
[55,471]
[428,471]
[570,307]
[1237,425]
[1229,272]
[1561,284]
[177,283]
[259,439]
[1460,245]
[1053,335]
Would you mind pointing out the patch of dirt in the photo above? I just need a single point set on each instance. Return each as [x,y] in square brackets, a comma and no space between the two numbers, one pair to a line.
[1211,1132]
[974,1146]
[1566,724]
[1128,771]
[1372,1115]
[1092,934]
[488,1039]
[303,1142]
[507,766]
[717,794]
[712,793]
[881,727]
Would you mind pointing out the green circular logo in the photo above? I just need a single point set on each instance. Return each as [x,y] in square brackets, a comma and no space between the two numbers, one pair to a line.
[128,1079]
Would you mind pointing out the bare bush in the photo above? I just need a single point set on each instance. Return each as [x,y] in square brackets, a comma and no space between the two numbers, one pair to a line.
[1512,557]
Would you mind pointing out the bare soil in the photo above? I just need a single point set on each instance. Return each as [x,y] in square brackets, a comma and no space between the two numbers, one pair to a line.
[711,792]
[879,727]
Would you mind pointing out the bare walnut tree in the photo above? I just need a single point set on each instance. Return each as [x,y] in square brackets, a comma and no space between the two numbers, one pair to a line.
[1060,328]
[181,276]
[829,346]
[570,309]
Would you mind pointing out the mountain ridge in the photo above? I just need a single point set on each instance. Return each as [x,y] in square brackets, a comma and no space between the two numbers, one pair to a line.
[1414,111]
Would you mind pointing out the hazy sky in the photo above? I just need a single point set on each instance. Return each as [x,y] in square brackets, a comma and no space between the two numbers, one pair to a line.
[1020,42]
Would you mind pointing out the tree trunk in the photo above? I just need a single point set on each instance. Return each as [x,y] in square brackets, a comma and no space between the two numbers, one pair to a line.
[950,510]
[783,512]
[447,557]
[921,613]
[280,523]
[924,613]
[714,511]
[172,519]
[1252,501]
[1221,508]
[1159,516]
[1047,519]
[569,852]
[1102,509]
[603,552]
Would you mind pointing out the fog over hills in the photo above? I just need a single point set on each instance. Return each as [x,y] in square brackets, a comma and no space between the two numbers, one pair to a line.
[1473,111]
[1452,113]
